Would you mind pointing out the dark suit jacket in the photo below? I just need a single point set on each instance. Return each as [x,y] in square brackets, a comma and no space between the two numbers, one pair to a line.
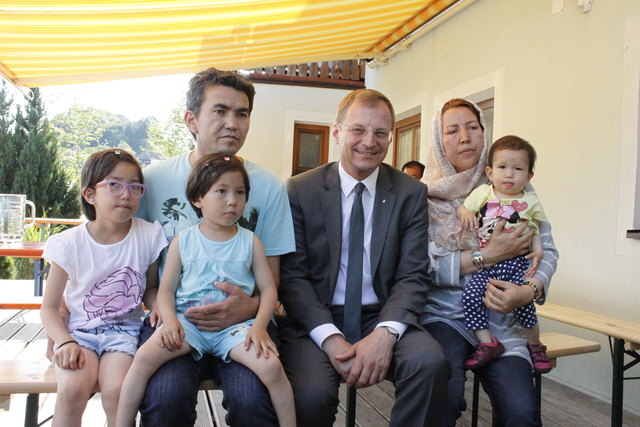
[399,256]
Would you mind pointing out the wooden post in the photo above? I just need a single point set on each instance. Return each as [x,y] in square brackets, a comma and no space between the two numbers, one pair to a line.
[324,70]
[337,66]
[313,71]
[303,70]
[346,70]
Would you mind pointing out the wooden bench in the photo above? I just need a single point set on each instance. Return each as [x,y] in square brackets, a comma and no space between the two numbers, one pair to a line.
[558,345]
[33,377]
[624,339]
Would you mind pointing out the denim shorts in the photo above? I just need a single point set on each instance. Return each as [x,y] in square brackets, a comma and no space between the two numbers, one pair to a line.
[217,343]
[119,342]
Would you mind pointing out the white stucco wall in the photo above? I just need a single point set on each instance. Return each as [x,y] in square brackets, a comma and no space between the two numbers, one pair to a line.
[568,83]
[276,109]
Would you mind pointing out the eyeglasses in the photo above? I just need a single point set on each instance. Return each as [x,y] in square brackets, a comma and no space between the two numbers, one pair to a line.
[116,188]
[378,134]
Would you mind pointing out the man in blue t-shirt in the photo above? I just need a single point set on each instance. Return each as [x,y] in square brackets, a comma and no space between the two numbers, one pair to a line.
[219,105]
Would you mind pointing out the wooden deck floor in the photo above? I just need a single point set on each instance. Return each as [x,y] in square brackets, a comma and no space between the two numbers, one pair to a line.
[22,337]
[561,406]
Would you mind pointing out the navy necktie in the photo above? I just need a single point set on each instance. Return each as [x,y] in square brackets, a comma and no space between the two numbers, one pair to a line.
[353,292]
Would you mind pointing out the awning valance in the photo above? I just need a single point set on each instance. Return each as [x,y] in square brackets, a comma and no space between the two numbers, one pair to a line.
[58,42]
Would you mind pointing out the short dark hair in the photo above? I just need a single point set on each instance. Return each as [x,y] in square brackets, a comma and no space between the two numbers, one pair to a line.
[367,96]
[214,77]
[97,167]
[413,164]
[512,142]
[459,102]
[207,171]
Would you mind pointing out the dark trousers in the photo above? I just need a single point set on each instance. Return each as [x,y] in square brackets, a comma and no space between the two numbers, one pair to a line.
[507,380]
[171,395]
[419,371]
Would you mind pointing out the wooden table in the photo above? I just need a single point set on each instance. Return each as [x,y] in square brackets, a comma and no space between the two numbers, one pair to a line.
[28,250]
[33,377]
[620,331]
[34,249]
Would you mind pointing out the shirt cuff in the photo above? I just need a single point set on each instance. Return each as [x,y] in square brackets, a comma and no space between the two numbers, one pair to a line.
[400,327]
[322,332]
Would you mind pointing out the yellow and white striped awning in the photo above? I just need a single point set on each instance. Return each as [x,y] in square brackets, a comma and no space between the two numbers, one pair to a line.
[58,42]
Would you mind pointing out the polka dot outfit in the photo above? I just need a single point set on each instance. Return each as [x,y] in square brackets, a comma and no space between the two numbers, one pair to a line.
[475,312]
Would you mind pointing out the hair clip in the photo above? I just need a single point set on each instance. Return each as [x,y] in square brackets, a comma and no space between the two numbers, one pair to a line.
[117,152]
[227,158]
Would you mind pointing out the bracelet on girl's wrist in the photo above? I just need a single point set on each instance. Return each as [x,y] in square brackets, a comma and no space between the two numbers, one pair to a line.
[477,259]
[67,342]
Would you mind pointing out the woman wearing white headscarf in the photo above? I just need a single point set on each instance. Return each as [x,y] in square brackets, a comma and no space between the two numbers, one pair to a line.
[455,166]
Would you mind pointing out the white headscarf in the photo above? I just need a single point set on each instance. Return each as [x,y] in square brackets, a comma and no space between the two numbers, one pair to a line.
[448,189]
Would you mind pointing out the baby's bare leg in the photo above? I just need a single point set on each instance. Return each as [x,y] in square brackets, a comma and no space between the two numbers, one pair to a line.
[272,375]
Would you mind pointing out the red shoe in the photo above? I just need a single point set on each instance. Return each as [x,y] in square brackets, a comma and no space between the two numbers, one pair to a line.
[539,358]
[484,354]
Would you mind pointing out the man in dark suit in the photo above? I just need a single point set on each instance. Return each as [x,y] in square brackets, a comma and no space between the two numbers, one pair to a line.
[317,349]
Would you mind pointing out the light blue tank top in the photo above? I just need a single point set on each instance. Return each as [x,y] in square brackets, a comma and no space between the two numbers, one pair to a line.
[205,261]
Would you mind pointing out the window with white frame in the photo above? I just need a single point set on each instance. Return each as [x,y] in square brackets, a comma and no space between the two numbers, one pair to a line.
[485,100]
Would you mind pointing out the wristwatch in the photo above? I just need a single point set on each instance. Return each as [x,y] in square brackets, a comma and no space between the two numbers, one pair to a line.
[536,292]
[393,331]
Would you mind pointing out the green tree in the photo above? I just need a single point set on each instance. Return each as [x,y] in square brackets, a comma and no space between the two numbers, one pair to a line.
[137,134]
[7,147]
[114,135]
[6,268]
[171,137]
[7,167]
[84,130]
[81,132]
[38,172]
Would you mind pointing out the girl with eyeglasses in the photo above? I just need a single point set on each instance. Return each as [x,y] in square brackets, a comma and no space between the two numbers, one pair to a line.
[104,269]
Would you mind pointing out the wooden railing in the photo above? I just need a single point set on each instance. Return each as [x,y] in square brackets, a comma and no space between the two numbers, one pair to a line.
[348,74]
[45,224]
[67,221]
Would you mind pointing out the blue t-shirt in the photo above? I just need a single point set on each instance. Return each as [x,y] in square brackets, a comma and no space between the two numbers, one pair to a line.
[205,261]
[267,212]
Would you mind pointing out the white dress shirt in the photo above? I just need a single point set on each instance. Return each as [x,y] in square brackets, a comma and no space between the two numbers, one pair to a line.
[347,185]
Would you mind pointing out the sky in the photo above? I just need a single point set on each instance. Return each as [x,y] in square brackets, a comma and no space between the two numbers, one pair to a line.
[134,98]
